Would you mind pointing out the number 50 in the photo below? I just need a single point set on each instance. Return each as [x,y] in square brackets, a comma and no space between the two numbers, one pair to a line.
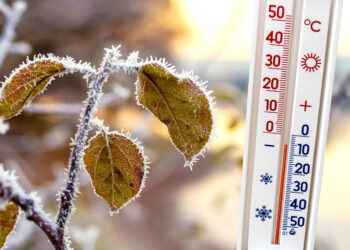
[276,11]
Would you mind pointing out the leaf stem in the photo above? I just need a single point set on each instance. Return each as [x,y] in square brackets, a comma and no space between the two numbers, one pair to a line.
[76,158]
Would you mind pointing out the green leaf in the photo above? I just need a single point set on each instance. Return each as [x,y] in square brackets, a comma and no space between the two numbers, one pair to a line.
[28,81]
[8,219]
[181,104]
[117,168]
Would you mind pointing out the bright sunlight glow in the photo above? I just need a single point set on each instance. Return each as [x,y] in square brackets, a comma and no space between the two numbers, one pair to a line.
[216,27]
[222,29]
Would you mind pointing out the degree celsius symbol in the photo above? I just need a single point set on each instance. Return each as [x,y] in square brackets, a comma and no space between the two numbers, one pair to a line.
[314,25]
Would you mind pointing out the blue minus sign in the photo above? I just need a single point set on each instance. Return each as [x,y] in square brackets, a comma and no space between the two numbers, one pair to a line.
[269,145]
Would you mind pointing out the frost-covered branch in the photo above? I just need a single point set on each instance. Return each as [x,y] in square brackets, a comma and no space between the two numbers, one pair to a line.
[75,162]
[156,83]
[10,190]
[13,15]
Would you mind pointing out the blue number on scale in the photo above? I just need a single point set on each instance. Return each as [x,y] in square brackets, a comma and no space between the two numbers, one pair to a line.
[297,221]
[301,204]
[305,129]
[302,168]
[300,186]
[304,149]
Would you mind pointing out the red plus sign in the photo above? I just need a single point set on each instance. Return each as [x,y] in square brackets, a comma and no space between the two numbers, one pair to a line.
[305,106]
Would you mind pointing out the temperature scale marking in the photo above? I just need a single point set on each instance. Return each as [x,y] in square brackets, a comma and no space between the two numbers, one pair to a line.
[272,101]
[287,120]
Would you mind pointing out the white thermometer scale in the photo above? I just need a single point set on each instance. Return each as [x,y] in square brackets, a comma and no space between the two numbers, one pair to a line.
[290,88]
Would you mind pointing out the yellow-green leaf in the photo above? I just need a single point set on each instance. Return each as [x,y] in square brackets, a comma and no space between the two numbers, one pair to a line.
[181,104]
[25,83]
[8,219]
[116,166]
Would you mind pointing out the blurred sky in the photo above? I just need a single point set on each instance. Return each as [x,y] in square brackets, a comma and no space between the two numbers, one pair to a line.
[223,27]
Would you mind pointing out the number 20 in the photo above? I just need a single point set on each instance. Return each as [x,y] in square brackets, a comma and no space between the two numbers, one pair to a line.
[270,83]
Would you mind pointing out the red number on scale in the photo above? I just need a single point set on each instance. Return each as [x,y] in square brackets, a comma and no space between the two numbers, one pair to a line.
[273,60]
[276,37]
[276,11]
[270,83]
[269,126]
[271,105]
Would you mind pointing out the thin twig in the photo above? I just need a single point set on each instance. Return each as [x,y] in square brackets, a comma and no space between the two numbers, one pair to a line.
[13,15]
[60,108]
[94,95]
[108,100]
[11,191]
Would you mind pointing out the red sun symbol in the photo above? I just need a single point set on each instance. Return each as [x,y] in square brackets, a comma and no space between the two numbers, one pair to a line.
[311,62]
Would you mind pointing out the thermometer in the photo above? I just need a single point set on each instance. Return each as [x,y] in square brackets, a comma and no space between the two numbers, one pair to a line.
[291,81]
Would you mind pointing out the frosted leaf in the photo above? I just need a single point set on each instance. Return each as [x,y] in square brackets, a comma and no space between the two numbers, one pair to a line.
[117,167]
[179,102]
[31,79]
[8,219]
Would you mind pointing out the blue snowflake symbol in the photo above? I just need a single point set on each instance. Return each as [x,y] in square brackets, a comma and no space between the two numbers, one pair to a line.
[266,178]
[263,213]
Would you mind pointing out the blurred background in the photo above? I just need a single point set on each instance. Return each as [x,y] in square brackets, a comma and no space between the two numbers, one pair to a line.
[178,209]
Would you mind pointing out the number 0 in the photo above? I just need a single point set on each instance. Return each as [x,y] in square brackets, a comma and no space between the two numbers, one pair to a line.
[269,126]
[305,129]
